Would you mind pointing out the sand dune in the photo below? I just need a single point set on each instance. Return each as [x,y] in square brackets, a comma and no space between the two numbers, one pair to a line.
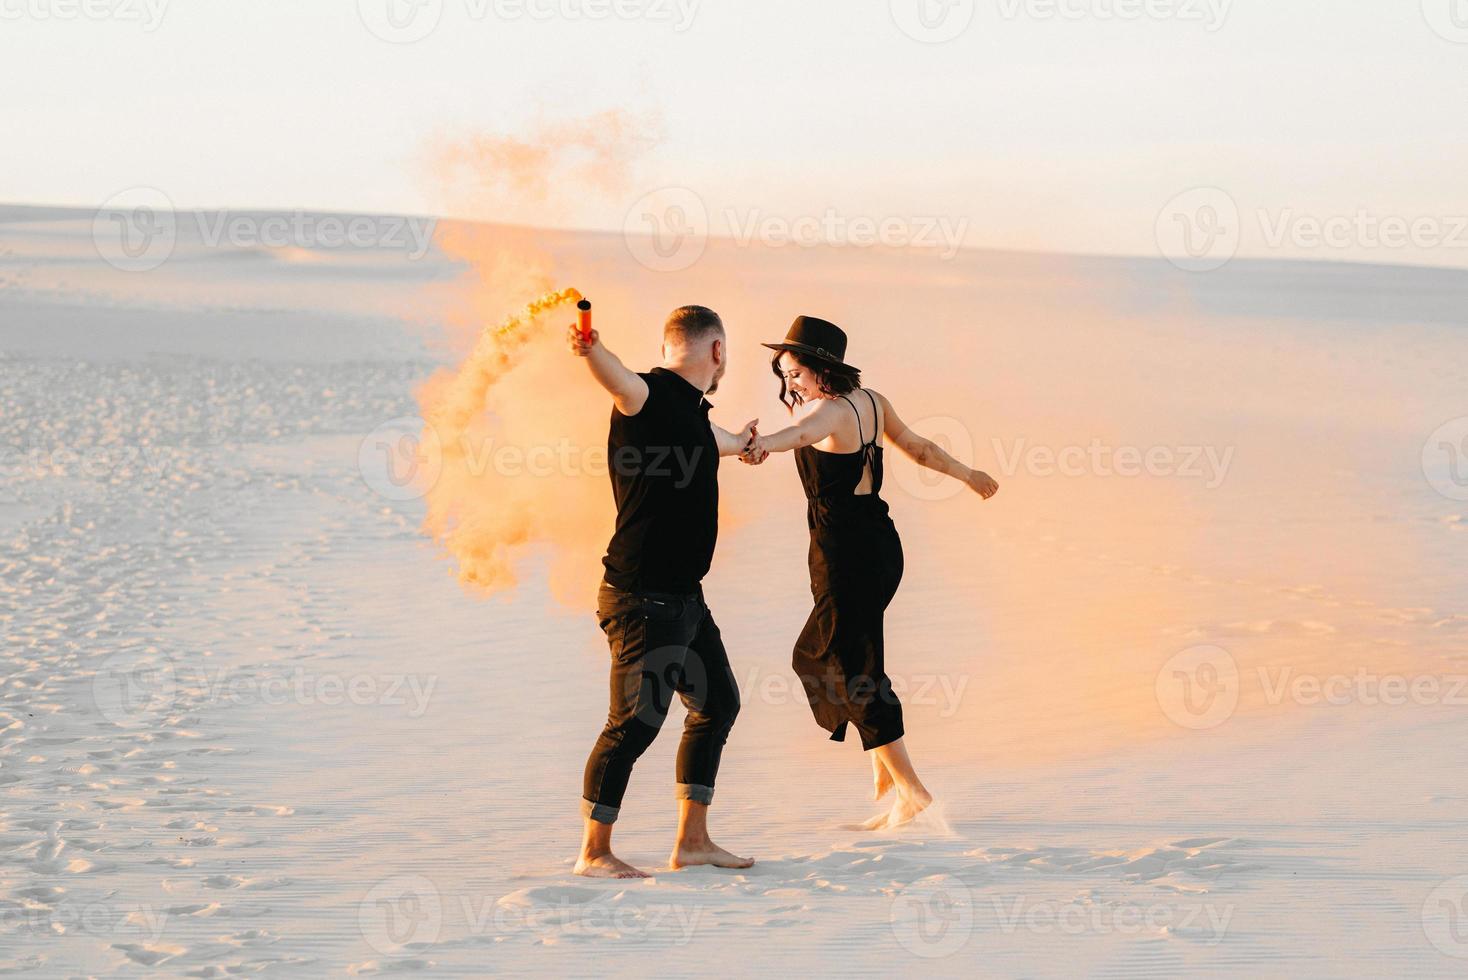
[250,723]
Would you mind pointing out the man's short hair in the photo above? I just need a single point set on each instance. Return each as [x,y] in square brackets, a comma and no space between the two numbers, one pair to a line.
[690,324]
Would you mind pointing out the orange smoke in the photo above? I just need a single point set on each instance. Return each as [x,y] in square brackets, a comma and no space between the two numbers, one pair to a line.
[508,479]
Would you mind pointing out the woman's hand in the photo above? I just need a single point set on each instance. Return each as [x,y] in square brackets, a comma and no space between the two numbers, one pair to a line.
[755,453]
[983,484]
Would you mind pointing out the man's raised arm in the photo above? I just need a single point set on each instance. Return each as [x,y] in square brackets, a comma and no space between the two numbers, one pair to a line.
[628,390]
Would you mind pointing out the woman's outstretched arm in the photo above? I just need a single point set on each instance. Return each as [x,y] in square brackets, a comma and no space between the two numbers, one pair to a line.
[927,453]
[818,425]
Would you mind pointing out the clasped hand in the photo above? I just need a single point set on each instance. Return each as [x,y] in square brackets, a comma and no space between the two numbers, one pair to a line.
[754,452]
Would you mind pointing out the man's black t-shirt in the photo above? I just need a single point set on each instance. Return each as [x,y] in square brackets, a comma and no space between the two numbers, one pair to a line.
[664,464]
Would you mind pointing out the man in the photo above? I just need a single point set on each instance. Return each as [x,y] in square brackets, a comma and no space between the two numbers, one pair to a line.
[663,453]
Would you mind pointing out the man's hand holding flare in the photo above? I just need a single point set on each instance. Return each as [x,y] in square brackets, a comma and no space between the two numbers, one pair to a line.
[581,346]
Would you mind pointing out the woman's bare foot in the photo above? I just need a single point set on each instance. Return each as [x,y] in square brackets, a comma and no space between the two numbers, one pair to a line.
[607,866]
[881,778]
[689,853]
[904,810]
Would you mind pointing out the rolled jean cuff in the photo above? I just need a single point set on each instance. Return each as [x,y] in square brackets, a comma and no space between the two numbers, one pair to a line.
[599,812]
[696,793]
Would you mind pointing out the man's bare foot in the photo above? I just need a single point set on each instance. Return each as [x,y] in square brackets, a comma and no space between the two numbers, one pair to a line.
[607,866]
[881,778]
[687,855]
[904,810]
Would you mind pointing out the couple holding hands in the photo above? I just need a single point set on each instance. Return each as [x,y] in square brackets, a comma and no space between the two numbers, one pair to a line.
[664,640]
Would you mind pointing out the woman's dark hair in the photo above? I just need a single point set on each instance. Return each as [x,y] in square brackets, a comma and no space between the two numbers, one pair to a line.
[831,379]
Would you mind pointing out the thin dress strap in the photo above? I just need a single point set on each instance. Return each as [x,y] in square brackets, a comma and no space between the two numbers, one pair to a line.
[876,418]
[868,449]
[860,432]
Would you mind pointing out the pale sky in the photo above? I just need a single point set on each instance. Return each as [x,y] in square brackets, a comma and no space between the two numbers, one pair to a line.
[1060,125]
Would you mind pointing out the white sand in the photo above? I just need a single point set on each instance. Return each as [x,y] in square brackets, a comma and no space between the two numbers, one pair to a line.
[333,759]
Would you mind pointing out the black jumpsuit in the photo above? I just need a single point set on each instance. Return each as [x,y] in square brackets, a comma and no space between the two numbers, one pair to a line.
[855,568]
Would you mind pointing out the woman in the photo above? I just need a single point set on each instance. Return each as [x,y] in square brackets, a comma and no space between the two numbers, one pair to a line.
[855,553]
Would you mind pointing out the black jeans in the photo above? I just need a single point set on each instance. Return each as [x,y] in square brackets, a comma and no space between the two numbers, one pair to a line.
[662,645]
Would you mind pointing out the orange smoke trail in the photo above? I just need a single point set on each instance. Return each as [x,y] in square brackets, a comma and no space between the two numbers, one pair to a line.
[479,514]
[449,414]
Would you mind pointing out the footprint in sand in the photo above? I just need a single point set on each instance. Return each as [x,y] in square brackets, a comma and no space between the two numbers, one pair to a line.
[149,955]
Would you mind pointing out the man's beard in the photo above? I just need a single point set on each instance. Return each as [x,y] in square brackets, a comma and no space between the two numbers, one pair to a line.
[718,376]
